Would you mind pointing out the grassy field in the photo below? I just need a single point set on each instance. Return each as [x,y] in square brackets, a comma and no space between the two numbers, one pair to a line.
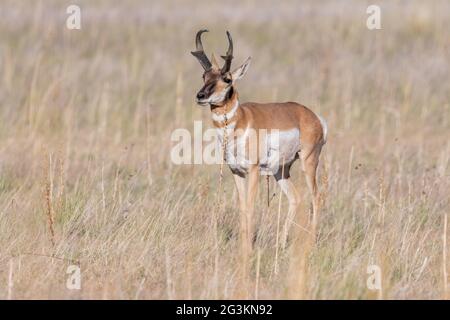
[86,177]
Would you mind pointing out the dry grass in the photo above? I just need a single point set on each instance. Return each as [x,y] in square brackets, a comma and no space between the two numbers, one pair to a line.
[102,102]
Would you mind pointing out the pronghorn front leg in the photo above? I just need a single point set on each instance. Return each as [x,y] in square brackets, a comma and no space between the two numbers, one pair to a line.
[253,176]
[244,229]
[240,187]
[243,214]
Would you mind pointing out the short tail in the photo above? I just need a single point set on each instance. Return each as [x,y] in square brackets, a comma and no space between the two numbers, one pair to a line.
[324,128]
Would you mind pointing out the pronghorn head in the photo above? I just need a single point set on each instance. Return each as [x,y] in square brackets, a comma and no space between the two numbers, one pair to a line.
[218,82]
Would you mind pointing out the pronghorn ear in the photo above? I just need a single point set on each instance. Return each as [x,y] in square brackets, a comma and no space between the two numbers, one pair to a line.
[242,70]
[214,63]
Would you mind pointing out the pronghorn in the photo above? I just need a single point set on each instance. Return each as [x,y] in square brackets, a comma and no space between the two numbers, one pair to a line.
[301,134]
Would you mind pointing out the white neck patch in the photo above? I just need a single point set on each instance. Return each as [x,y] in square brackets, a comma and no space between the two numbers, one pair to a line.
[230,114]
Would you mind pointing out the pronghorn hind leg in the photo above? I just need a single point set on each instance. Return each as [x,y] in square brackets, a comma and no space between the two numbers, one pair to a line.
[310,163]
[293,196]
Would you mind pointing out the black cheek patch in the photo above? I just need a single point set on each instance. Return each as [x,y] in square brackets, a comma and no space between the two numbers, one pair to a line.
[229,93]
[209,89]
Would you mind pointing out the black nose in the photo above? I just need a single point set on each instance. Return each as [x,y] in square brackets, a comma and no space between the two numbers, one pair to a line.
[201,95]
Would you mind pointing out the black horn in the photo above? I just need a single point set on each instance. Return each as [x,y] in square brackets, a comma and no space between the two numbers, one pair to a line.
[229,56]
[199,53]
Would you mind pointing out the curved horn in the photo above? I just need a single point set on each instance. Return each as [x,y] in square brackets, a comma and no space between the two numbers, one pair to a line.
[198,40]
[200,54]
[229,56]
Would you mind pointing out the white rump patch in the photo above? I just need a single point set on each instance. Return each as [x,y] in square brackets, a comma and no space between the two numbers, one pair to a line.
[324,125]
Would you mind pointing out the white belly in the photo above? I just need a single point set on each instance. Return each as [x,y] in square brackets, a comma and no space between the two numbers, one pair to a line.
[274,148]
[283,148]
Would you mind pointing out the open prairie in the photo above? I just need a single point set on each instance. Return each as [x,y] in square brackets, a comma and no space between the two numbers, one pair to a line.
[86,177]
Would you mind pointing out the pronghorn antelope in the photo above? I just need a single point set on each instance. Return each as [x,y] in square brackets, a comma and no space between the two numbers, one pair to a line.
[300,133]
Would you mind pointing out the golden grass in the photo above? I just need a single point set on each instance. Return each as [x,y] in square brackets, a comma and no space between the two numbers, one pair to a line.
[102,102]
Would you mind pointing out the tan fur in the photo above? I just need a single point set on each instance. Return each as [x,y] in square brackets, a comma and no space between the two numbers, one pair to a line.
[295,120]
[281,116]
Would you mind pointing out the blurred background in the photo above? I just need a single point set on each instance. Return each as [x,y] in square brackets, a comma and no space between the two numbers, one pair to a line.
[85,123]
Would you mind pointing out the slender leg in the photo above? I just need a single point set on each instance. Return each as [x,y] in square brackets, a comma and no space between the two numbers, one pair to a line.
[310,164]
[251,198]
[243,220]
[240,187]
[243,234]
[291,193]
[305,235]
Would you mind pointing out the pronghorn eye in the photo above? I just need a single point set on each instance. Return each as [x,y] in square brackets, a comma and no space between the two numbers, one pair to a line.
[226,80]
